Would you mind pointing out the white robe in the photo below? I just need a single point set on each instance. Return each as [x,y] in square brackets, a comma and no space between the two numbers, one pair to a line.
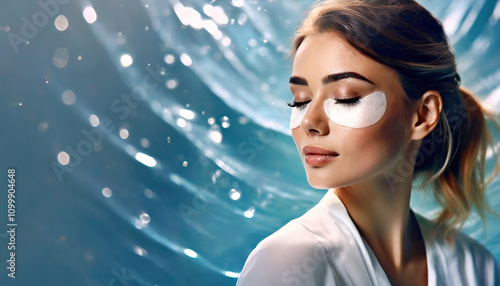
[324,247]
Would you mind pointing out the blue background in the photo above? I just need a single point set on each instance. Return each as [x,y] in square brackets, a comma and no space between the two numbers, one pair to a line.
[204,101]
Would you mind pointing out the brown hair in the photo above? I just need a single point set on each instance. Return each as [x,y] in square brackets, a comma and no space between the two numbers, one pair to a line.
[403,35]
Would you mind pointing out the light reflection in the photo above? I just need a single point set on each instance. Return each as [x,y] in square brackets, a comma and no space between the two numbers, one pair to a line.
[186,113]
[185,164]
[61,23]
[171,84]
[61,57]
[216,13]
[242,19]
[145,159]
[63,158]
[495,15]
[94,120]
[234,194]
[181,122]
[145,143]
[238,3]
[126,60]
[232,274]
[68,97]
[140,251]
[107,192]
[188,16]
[148,193]
[208,9]
[226,41]
[138,224]
[90,15]
[252,43]
[186,60]
[169,59]
[191,253]
[120,39]
[243,120]
[145,219]
[249,213]
[212,28]
[124,133]
[225,122]
[215,134]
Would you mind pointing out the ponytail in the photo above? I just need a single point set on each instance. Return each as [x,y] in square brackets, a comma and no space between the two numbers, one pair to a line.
[460,185]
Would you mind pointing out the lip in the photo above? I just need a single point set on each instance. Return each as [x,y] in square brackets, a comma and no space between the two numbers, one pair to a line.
[317,156]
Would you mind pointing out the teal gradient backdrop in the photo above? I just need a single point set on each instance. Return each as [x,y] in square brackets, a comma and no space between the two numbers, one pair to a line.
[173,116]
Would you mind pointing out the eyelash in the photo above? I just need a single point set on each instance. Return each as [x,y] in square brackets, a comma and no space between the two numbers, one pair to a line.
[300,105]
[348,102]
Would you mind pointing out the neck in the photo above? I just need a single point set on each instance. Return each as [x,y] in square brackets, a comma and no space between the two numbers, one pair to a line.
[382,215]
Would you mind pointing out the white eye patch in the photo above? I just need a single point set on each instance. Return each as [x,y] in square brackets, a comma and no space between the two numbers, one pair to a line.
[297,116]
[363,113]
[359,114]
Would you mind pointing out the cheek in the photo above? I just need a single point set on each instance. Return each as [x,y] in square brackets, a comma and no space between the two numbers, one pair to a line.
[377,145]
[298,136]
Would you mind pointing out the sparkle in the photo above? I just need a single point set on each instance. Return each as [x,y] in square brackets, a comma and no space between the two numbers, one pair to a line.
[145,219]
[61,23]
[190,253]
[63,158]
[94,120]
[169,59]
[145,159]
[186,60]
[126,60]
[124,133]
[90,15]
[107,192]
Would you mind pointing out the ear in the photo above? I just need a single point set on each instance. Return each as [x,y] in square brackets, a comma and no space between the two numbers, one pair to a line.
[426,114]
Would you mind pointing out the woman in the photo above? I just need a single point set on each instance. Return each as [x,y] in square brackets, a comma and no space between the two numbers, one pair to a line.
[377,105]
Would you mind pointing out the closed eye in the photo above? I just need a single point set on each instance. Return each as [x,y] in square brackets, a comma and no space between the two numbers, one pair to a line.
[300,105]
[348,101]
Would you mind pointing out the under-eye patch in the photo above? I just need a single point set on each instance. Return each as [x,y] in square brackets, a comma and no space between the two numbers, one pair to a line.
[298,113]
[352,113]
[364,112]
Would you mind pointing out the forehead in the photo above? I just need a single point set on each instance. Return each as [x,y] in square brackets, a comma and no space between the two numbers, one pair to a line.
[328,53]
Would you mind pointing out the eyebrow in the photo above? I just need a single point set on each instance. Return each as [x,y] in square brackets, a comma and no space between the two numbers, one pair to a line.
[298,80]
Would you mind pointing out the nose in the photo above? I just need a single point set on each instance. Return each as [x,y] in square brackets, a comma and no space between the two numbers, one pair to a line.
[315,121]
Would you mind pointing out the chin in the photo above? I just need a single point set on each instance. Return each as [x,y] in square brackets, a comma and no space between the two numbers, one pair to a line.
[322,183]
[324,179]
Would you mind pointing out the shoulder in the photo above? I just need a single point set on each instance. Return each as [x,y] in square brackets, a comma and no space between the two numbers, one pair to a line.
[467,251]
[472,255]
[290,256]
[464,260]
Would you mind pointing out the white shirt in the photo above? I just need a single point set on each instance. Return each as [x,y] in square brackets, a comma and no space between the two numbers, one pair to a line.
[324,247]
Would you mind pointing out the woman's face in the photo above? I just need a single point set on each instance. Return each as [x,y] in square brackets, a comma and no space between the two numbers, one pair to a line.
[356,125]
